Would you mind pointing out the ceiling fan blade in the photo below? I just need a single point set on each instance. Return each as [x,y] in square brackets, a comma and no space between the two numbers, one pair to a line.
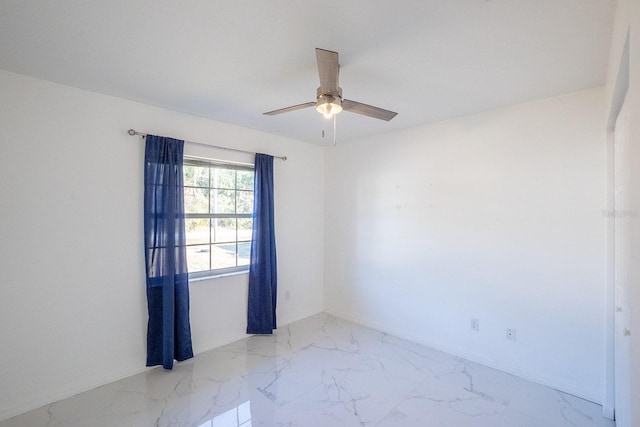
[292,108]
[367,110]
[328,69]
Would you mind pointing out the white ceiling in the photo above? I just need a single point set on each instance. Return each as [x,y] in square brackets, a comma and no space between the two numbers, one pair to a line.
[232,60]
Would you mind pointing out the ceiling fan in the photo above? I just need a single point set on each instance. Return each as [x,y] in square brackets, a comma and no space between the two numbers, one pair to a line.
[329,100]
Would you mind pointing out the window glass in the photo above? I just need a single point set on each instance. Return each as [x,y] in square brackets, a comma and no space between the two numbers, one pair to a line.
[218,200]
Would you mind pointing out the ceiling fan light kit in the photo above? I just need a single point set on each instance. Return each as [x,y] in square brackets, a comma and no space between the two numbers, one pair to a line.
[329,100]
[328,104]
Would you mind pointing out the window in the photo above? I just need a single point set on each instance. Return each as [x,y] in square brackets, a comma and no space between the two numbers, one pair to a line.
[218,204]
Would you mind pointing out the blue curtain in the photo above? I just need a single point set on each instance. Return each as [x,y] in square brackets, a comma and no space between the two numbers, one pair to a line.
[262,270]
[168,331]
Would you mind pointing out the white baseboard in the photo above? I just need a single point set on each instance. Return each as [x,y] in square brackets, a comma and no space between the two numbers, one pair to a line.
[608,411]
[518,371]
[66,393]
[522,373]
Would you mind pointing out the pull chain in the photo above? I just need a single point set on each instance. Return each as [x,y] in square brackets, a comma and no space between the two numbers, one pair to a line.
[334,130]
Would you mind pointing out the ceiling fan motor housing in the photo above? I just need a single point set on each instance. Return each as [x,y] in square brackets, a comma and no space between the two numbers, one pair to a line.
[329,102]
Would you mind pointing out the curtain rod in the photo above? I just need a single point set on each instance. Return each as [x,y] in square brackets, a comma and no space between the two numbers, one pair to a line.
[133,133]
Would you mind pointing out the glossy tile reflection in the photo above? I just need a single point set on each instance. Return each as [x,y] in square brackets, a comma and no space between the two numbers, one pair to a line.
[321,371]
[240,416]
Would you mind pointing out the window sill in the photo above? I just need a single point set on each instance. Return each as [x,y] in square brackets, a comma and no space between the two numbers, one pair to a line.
[218,275]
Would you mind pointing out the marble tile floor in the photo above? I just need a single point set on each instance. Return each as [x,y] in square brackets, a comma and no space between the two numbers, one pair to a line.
[321,371]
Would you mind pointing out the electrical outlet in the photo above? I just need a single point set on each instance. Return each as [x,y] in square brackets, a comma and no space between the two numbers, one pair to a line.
[511,334]
[475,324]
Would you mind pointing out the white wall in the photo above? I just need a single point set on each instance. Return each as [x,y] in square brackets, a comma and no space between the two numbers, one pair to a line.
[496,216]
[616,87]
[634,132]
[628,21]
[72,297]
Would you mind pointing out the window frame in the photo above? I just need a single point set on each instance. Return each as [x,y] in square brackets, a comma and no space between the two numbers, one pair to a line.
[220,164]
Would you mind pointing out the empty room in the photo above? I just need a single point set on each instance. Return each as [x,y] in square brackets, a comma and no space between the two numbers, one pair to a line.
[337,213]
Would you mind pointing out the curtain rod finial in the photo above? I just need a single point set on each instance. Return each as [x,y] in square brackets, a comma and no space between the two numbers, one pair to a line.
[131,132]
